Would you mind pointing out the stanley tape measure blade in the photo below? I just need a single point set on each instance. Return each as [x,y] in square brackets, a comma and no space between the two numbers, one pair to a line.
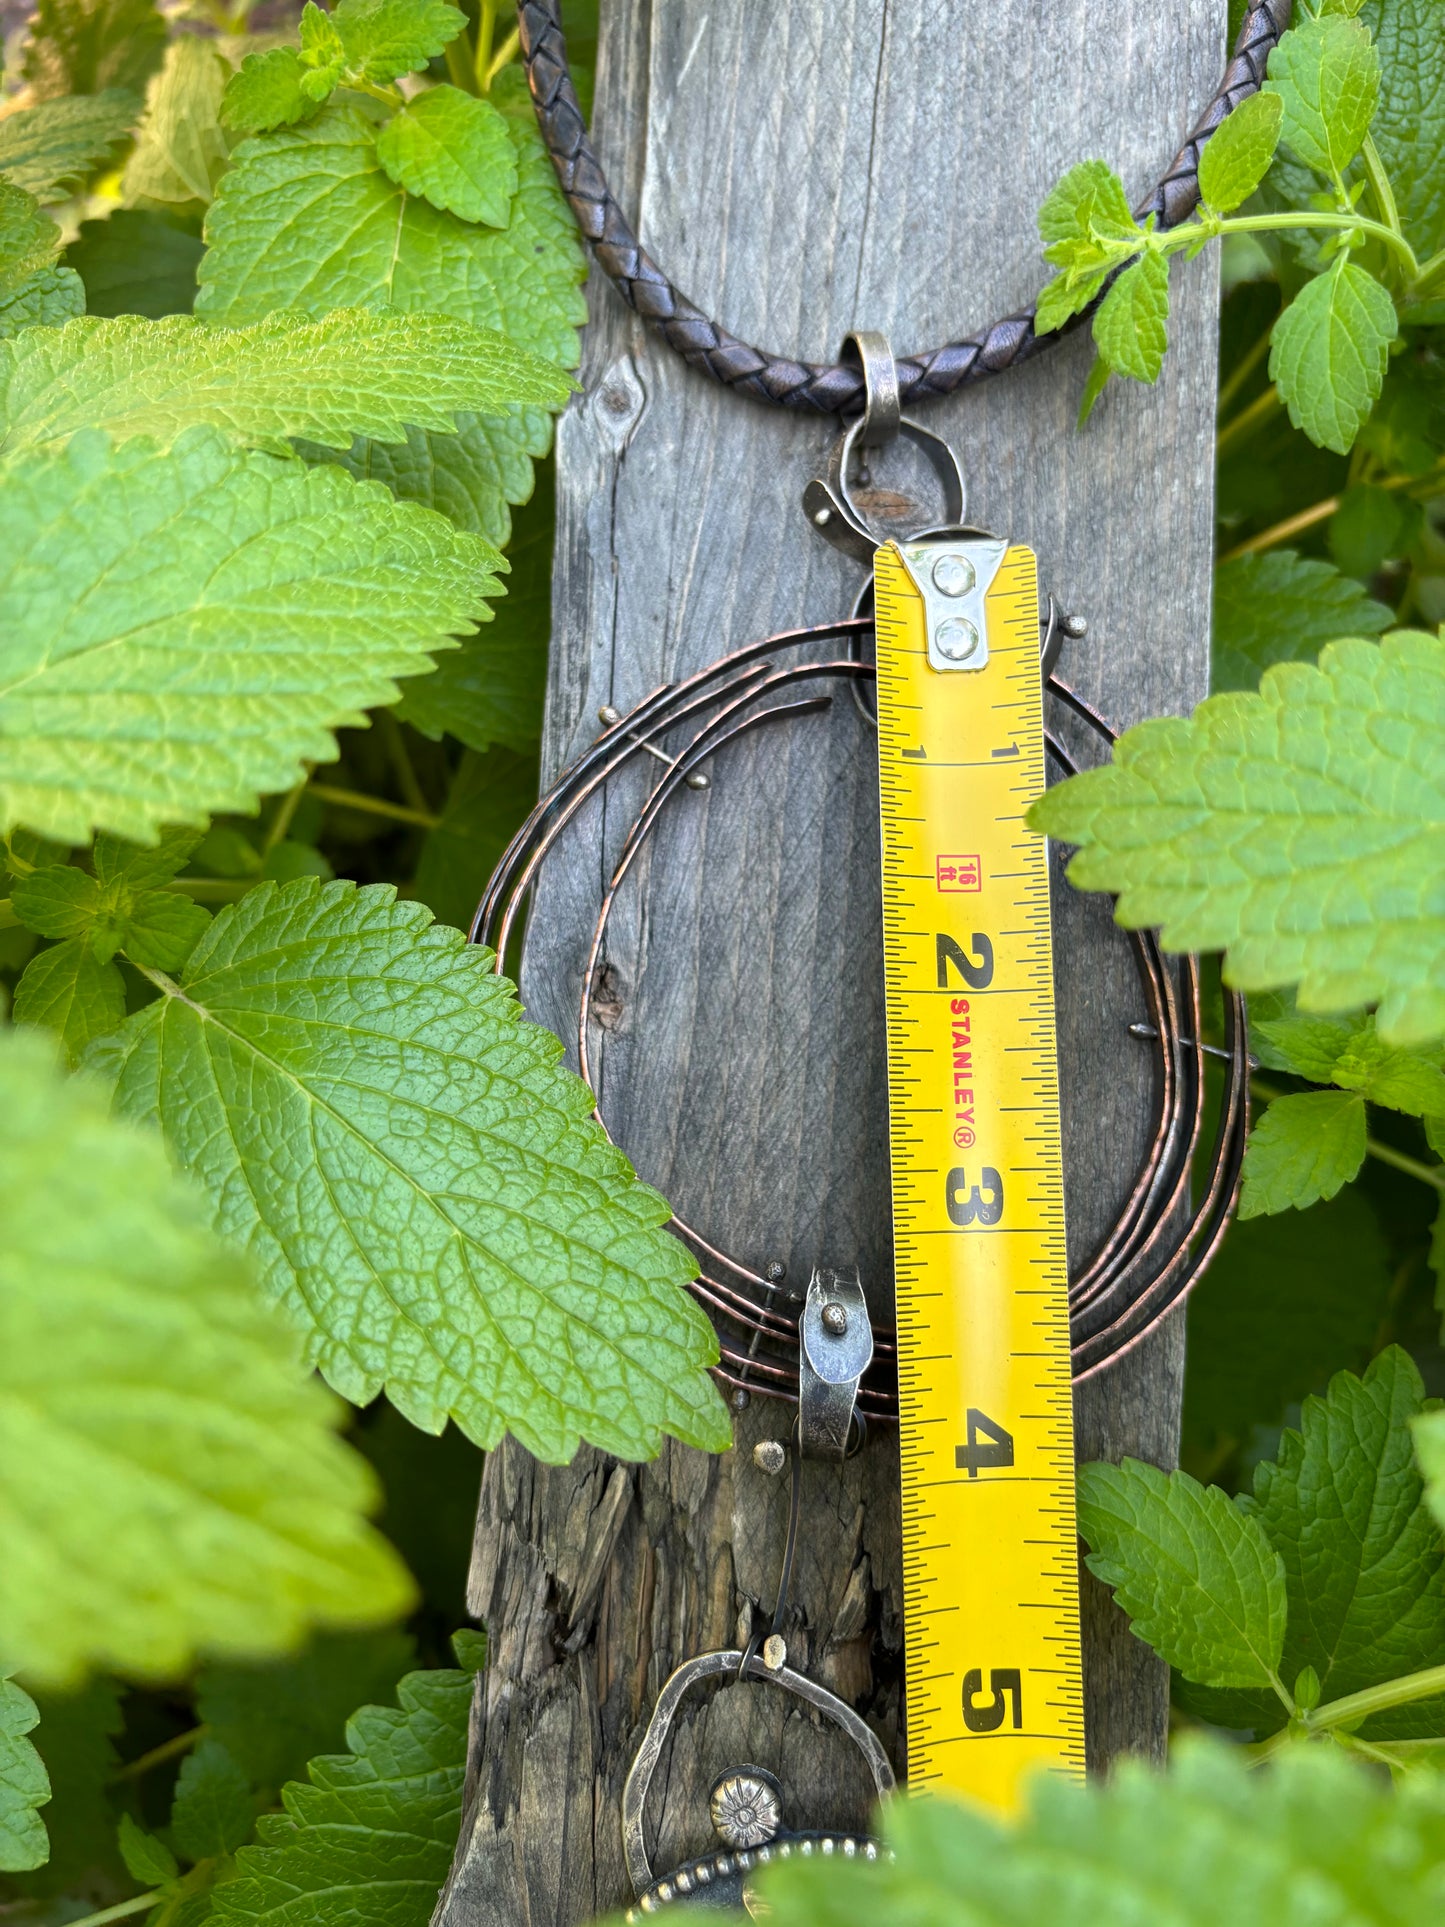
[990,1576]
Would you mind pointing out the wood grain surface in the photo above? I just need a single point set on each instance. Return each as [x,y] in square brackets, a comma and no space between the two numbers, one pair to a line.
[801,170]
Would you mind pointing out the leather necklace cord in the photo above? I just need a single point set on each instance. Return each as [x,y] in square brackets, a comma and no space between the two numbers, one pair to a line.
[826,388]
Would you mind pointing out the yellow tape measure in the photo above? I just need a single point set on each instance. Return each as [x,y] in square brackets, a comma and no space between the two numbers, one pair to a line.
[995,1688]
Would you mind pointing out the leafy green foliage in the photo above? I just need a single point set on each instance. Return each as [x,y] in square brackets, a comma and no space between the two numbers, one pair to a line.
[24,1783]
[488,797]
[54,146]
[271,1719]
[1349,1053]
[384,39]
[172,1481]
[268,92]
[32,287]
[1409,126]
[1282,607]
[382,373]
[1199,1579]
[213,1810]
[252,605]
[1237,155]
[1329,353]
[1298,828]
[69,990]
[1131,327]
[136,262]
[148,1860]
[180,150]
[466,1238]
[1326,74]
[370,1836]
[90,46]
[75,1740]
[1429,1433]
[455,151]
[1311,1838]
[1304,1148]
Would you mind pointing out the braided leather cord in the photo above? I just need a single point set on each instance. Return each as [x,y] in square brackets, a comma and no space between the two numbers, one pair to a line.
[825,388]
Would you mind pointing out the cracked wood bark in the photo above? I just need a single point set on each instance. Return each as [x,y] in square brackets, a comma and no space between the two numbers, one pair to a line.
[802,170]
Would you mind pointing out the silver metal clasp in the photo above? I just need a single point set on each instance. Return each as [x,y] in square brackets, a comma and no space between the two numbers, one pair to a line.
[835,1349]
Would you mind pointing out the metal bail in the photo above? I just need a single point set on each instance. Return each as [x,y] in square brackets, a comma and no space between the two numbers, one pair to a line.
[883,405]
[836,1350]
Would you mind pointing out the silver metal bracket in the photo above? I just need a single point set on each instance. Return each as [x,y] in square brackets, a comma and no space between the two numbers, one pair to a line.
[954,574]
[836,1349]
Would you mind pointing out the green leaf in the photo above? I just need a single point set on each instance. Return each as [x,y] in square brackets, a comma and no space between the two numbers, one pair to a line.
[1328,353]
[32,288]
[454,150]
[1131,329]
[385,39]
[1364,1563]
[148,1860]
[1326,73]
[369,1838]
[488,801]
[1373,526]
[120,907]
[1409,124]
[1311,1838]
[465,1239]
[490,690]
[1349,1053]
[1086,222]
[1304,1148]
[1236,157]
[172,1478]
[307,219]
[158,378]
[1065,296]
[271,1719]
[88,46]
[1197,1577]
[136,262]
[69,990]
[55,146]
[213,1811]
[1429,1435]
[267,92]
[251,605]
[180,151]
[1281,607]
[1094,386]
[1300,828]
[74,1739]
[45,298]
[24,1783]
[1285,1303]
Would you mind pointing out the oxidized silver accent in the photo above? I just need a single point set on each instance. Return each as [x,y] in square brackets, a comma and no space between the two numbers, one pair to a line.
[769,1456]
[745,1809]
[832,1361]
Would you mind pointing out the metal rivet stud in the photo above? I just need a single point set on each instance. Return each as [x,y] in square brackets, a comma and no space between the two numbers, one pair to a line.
[775,1652]
[1076,626]
[699,780]
[835,1319]
[609,715]
[953,575]
[769,1456]
[956,639]
[823,517]
[741,1399]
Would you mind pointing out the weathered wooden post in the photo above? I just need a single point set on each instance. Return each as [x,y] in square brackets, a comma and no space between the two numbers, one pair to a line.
[804,170]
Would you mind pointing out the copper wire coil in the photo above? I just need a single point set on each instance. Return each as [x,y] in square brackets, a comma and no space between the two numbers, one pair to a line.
[1159,1244]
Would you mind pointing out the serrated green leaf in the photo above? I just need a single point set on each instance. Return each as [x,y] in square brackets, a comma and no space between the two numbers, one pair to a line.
[24,1783]
[1197,1577]
[172,1477]
[136,262]
[1236,157]
[1282,607]
[1329,350]
[1303,1149]
[464,1239]
[71,991]
[1349,1053]
[488,801]
[1326,74]
[55,146]
[213,1811]
[158,378]
[272,1719]
[120,907]
[454,150]
[251,606]
[267,92]
[385,39]
[180,150]
[353,238]
[1286,1302]
[1409,123]
[88,46]
[46,298]
[1131,329]
[32,288]
[1429,1437]
[74,1739]
[1300,828]
[1085,215]
[369,1837]
[1065,296]
[1373,526]
[490,690]
[1311,1838]
[148,1860]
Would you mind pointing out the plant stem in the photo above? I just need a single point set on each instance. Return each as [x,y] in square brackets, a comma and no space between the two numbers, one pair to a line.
[1266,223]
[1246,421]
[1377,1699]
[158,1755]
[1243,372]
[375,806]
[461,70]
[507,51]
[137,1904]
[486,29]
[401,762]
[1431,1174]
[1282,531]
[281,822]
[211,889]
[8,918]
[1380,187]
